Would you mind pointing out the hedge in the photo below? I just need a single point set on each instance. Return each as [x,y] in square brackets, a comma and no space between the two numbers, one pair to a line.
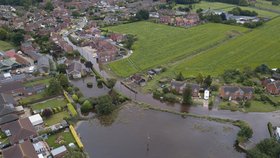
[72,109]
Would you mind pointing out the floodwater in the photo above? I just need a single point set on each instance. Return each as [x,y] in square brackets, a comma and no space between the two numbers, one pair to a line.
[94,91]
[142,133]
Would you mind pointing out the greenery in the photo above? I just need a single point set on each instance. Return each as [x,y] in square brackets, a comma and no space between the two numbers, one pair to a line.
[158,44]
[245,132]
[47,113]
[61,138]
[72,110]
[49,6]
[44,81]
[61,68]
[54,87]
[86,107]
[270,129]
[183,1]
[104,105]
[267,148]
[180,77]
[111,83]
[4,46]
[187,96]
[28,99]
[142,15]
[51,103]
[56,118]
[237,2]
[238,11]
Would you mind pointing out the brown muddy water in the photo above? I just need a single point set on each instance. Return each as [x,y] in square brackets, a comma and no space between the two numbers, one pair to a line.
[138,133]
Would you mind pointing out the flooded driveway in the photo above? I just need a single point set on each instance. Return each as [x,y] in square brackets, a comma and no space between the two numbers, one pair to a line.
[141,133]
[94,91]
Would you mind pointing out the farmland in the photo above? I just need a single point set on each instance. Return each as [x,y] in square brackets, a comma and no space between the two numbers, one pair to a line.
[5,46]
[160,44]
[252,49]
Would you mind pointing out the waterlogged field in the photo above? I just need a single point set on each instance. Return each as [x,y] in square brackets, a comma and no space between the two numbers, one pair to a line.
[252,49]
[160,44]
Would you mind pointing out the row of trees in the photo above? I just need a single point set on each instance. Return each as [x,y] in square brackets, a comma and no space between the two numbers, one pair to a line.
[183,1]
[19,2]
[239,11]
[237,2]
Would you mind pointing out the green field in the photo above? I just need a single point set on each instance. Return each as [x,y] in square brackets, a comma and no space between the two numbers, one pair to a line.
[4,46]
[44,81]
[58,139]
[252,49]
[160,44]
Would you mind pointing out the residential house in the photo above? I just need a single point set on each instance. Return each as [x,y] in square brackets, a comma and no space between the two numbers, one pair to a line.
[271,86]
[30,51]
[43,65]
[59,152]
[76,70]
[106,51]
[138,79]
[117,37]
[19,131]
[23,150]
[15,88]
[41,147]
[35,89]
[8,113]
[8,64]
[178,86]
[236,93]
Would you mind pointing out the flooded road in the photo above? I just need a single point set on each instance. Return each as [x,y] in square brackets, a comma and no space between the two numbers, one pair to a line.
[141,133]
[94,91]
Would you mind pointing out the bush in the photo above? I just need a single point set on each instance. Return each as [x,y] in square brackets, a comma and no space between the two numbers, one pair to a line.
[170,98]
[86,107]
[270,129]
[247,104]
[104,106]
[75,98]
[72,110]
[47,113]
[157,94]
[81,100]
[99,83]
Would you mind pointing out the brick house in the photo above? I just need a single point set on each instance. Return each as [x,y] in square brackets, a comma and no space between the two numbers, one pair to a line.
[236,93]
[180,86]
[271,86]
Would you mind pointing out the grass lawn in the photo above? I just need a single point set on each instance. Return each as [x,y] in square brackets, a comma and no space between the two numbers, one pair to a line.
[4,46]
[31,98]
[56,118]
[159,44]
[256,106]
[51,103]
[62,138]
[252,49]
[36,82]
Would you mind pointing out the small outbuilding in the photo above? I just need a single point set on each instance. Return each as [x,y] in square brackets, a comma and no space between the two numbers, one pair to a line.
[59,152]
[36,119]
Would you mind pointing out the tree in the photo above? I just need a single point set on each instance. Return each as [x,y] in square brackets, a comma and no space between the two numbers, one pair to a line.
[88,64]
[75,14]
[180,77]
[111,83]
[86,107]
[142,15]
[63,81]
[267,148]
[263,69]
[17,38]
[3,34]
[187,95]
[54,87]
[61,68]
[104,106]
[199,79]
[208,81]
[49,6]
[129,41]
[47,113]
